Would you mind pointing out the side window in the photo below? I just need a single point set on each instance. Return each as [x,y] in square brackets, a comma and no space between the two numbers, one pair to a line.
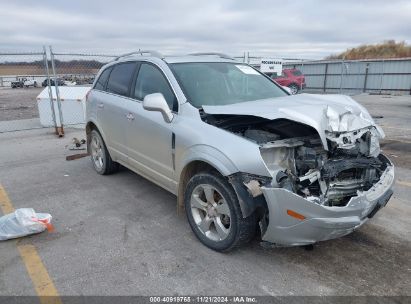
[274,75]
[120,78]
[102,80]
[151,80]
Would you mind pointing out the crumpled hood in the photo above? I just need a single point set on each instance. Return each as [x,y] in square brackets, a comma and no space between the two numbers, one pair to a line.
[333,113]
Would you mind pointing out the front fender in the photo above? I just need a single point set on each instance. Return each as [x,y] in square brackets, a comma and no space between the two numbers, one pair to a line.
[207,154]
[225,167]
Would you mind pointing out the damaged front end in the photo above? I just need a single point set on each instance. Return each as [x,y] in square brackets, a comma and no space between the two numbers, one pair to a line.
[316,192]
[330,178]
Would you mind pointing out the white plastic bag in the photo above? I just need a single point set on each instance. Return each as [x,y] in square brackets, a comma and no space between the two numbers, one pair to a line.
[23,222]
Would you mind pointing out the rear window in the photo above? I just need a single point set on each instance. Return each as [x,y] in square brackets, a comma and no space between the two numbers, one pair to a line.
[120,78]
[102,80]
[297,73]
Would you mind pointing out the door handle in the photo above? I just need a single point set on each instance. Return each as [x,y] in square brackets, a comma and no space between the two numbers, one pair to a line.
[101,105]
[130,116]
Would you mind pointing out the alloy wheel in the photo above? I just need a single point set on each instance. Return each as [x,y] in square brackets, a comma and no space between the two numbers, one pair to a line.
[97,153]
[211,212]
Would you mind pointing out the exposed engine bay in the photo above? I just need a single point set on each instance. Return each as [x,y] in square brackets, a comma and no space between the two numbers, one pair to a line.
[297,160]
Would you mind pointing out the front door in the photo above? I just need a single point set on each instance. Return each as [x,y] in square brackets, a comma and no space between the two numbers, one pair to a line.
[149,137]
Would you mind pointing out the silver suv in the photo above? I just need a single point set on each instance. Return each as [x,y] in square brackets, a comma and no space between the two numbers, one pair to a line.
[241,154]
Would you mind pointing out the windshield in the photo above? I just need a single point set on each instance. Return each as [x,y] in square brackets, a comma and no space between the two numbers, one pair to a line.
[297,73]
[222,83]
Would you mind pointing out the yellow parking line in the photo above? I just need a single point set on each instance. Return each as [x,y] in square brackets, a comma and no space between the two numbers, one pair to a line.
[5,203]
[42,282]
[406,184]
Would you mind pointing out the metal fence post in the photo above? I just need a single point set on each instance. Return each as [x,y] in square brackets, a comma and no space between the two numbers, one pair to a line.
[365,77]
[382,76]
[341,77]
[61,128]
[46,66]
[325,77]
[302,71]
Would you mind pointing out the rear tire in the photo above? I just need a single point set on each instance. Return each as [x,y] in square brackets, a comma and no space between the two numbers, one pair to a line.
[214,213]
[100,158]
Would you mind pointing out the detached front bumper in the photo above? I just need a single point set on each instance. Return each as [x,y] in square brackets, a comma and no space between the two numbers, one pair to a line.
[321,222]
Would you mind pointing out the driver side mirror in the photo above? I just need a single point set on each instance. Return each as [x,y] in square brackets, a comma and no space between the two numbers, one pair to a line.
[157,102]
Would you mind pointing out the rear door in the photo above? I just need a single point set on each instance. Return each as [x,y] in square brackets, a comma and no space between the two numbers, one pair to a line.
[112,109]
[149,136]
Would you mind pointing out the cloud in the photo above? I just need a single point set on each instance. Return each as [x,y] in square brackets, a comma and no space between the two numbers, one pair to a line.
[303,29]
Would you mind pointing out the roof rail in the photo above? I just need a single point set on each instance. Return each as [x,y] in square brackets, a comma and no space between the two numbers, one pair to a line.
[141,52]
[221,55]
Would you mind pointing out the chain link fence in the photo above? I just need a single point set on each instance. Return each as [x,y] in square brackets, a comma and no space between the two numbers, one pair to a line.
[47,88]
[23,77]
[73,76]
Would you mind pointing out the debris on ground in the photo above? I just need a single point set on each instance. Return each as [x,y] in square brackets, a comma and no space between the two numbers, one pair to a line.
[22,222]
[76,156]
[77,144]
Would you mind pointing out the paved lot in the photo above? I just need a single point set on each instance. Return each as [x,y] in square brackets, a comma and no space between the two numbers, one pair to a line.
[121,235]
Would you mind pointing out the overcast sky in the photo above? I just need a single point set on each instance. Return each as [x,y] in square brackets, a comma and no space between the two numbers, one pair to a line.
[296,29]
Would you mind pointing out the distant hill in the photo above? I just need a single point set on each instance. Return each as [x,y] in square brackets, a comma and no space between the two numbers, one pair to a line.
[387,49]
[62,67]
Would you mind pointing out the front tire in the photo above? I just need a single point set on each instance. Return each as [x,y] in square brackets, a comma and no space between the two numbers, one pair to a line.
[214,213]
[100,158]
[294,88]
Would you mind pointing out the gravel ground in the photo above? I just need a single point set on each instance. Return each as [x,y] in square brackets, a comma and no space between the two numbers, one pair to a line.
[19,103]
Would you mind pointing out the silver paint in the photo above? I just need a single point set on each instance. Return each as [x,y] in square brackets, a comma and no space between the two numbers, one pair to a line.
[143,144]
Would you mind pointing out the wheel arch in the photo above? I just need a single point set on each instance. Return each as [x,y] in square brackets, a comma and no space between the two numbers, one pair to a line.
[90,126]
[188,171]
[247,202]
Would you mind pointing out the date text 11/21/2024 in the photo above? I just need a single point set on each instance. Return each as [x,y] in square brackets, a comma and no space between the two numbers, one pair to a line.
[203,299]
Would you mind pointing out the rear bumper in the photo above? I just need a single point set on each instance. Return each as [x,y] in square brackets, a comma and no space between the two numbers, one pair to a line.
[322,222]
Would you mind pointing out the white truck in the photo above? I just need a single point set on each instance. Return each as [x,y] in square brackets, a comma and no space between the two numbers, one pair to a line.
[30,83]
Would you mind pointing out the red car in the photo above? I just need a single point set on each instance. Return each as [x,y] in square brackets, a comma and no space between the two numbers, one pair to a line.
[291,78]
